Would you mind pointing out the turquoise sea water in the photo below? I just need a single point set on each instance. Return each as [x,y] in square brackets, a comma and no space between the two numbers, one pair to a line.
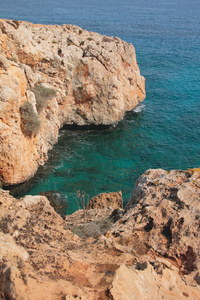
[164,131]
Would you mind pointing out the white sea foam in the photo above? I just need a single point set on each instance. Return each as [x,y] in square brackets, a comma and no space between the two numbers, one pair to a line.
[57,195]
[59,166]
[139,108]
[60,133]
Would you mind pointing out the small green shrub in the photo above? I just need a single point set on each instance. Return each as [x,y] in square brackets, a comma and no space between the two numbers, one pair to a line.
[30,120]
[42,95]
[80,88]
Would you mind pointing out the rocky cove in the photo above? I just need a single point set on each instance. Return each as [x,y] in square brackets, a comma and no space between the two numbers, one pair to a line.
[56,75]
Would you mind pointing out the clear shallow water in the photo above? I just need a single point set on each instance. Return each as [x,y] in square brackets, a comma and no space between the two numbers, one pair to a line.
[163,132]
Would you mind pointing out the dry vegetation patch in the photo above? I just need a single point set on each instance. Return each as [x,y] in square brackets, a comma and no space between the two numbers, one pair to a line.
[30,120]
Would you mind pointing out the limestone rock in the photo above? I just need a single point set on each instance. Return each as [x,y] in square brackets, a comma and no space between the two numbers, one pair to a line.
[143,255]
[10,250]
[106,200]
[130,283]
[95,78]
[4,63]
[163,214]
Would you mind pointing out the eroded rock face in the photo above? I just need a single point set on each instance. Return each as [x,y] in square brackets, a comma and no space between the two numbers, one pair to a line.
[163,214]
[111,200]
[143,255]
[95,80]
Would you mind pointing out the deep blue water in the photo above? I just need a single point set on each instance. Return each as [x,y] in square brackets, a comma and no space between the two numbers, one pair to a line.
[165,130]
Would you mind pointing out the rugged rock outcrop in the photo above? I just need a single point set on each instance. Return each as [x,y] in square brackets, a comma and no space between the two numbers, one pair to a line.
[151,252]
[163,214]
[106,200]
[56,75]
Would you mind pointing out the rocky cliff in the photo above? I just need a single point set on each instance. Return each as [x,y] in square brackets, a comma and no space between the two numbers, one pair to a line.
[150,250]
[56,75]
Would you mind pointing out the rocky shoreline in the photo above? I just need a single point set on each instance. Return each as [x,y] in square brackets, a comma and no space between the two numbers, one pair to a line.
[149,250]
[56,75]
[51,76]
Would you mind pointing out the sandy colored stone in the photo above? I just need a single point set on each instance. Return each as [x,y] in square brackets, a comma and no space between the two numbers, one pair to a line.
[4,63]
[130,283]
[29,55]
[163,214]
[138,258]
[111,200]
[9,249]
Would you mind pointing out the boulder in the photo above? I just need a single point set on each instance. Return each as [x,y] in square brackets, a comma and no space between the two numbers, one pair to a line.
[111,200]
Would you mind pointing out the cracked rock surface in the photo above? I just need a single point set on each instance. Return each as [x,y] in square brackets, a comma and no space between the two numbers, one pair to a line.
[150,252]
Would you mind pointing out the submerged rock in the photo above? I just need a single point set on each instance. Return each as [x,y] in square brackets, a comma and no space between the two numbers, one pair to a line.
[56,75]
[151,252]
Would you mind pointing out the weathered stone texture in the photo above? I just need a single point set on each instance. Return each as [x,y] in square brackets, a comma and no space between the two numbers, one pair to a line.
[151,252]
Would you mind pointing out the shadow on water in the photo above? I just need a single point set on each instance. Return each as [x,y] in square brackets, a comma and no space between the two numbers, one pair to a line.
[79,128]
